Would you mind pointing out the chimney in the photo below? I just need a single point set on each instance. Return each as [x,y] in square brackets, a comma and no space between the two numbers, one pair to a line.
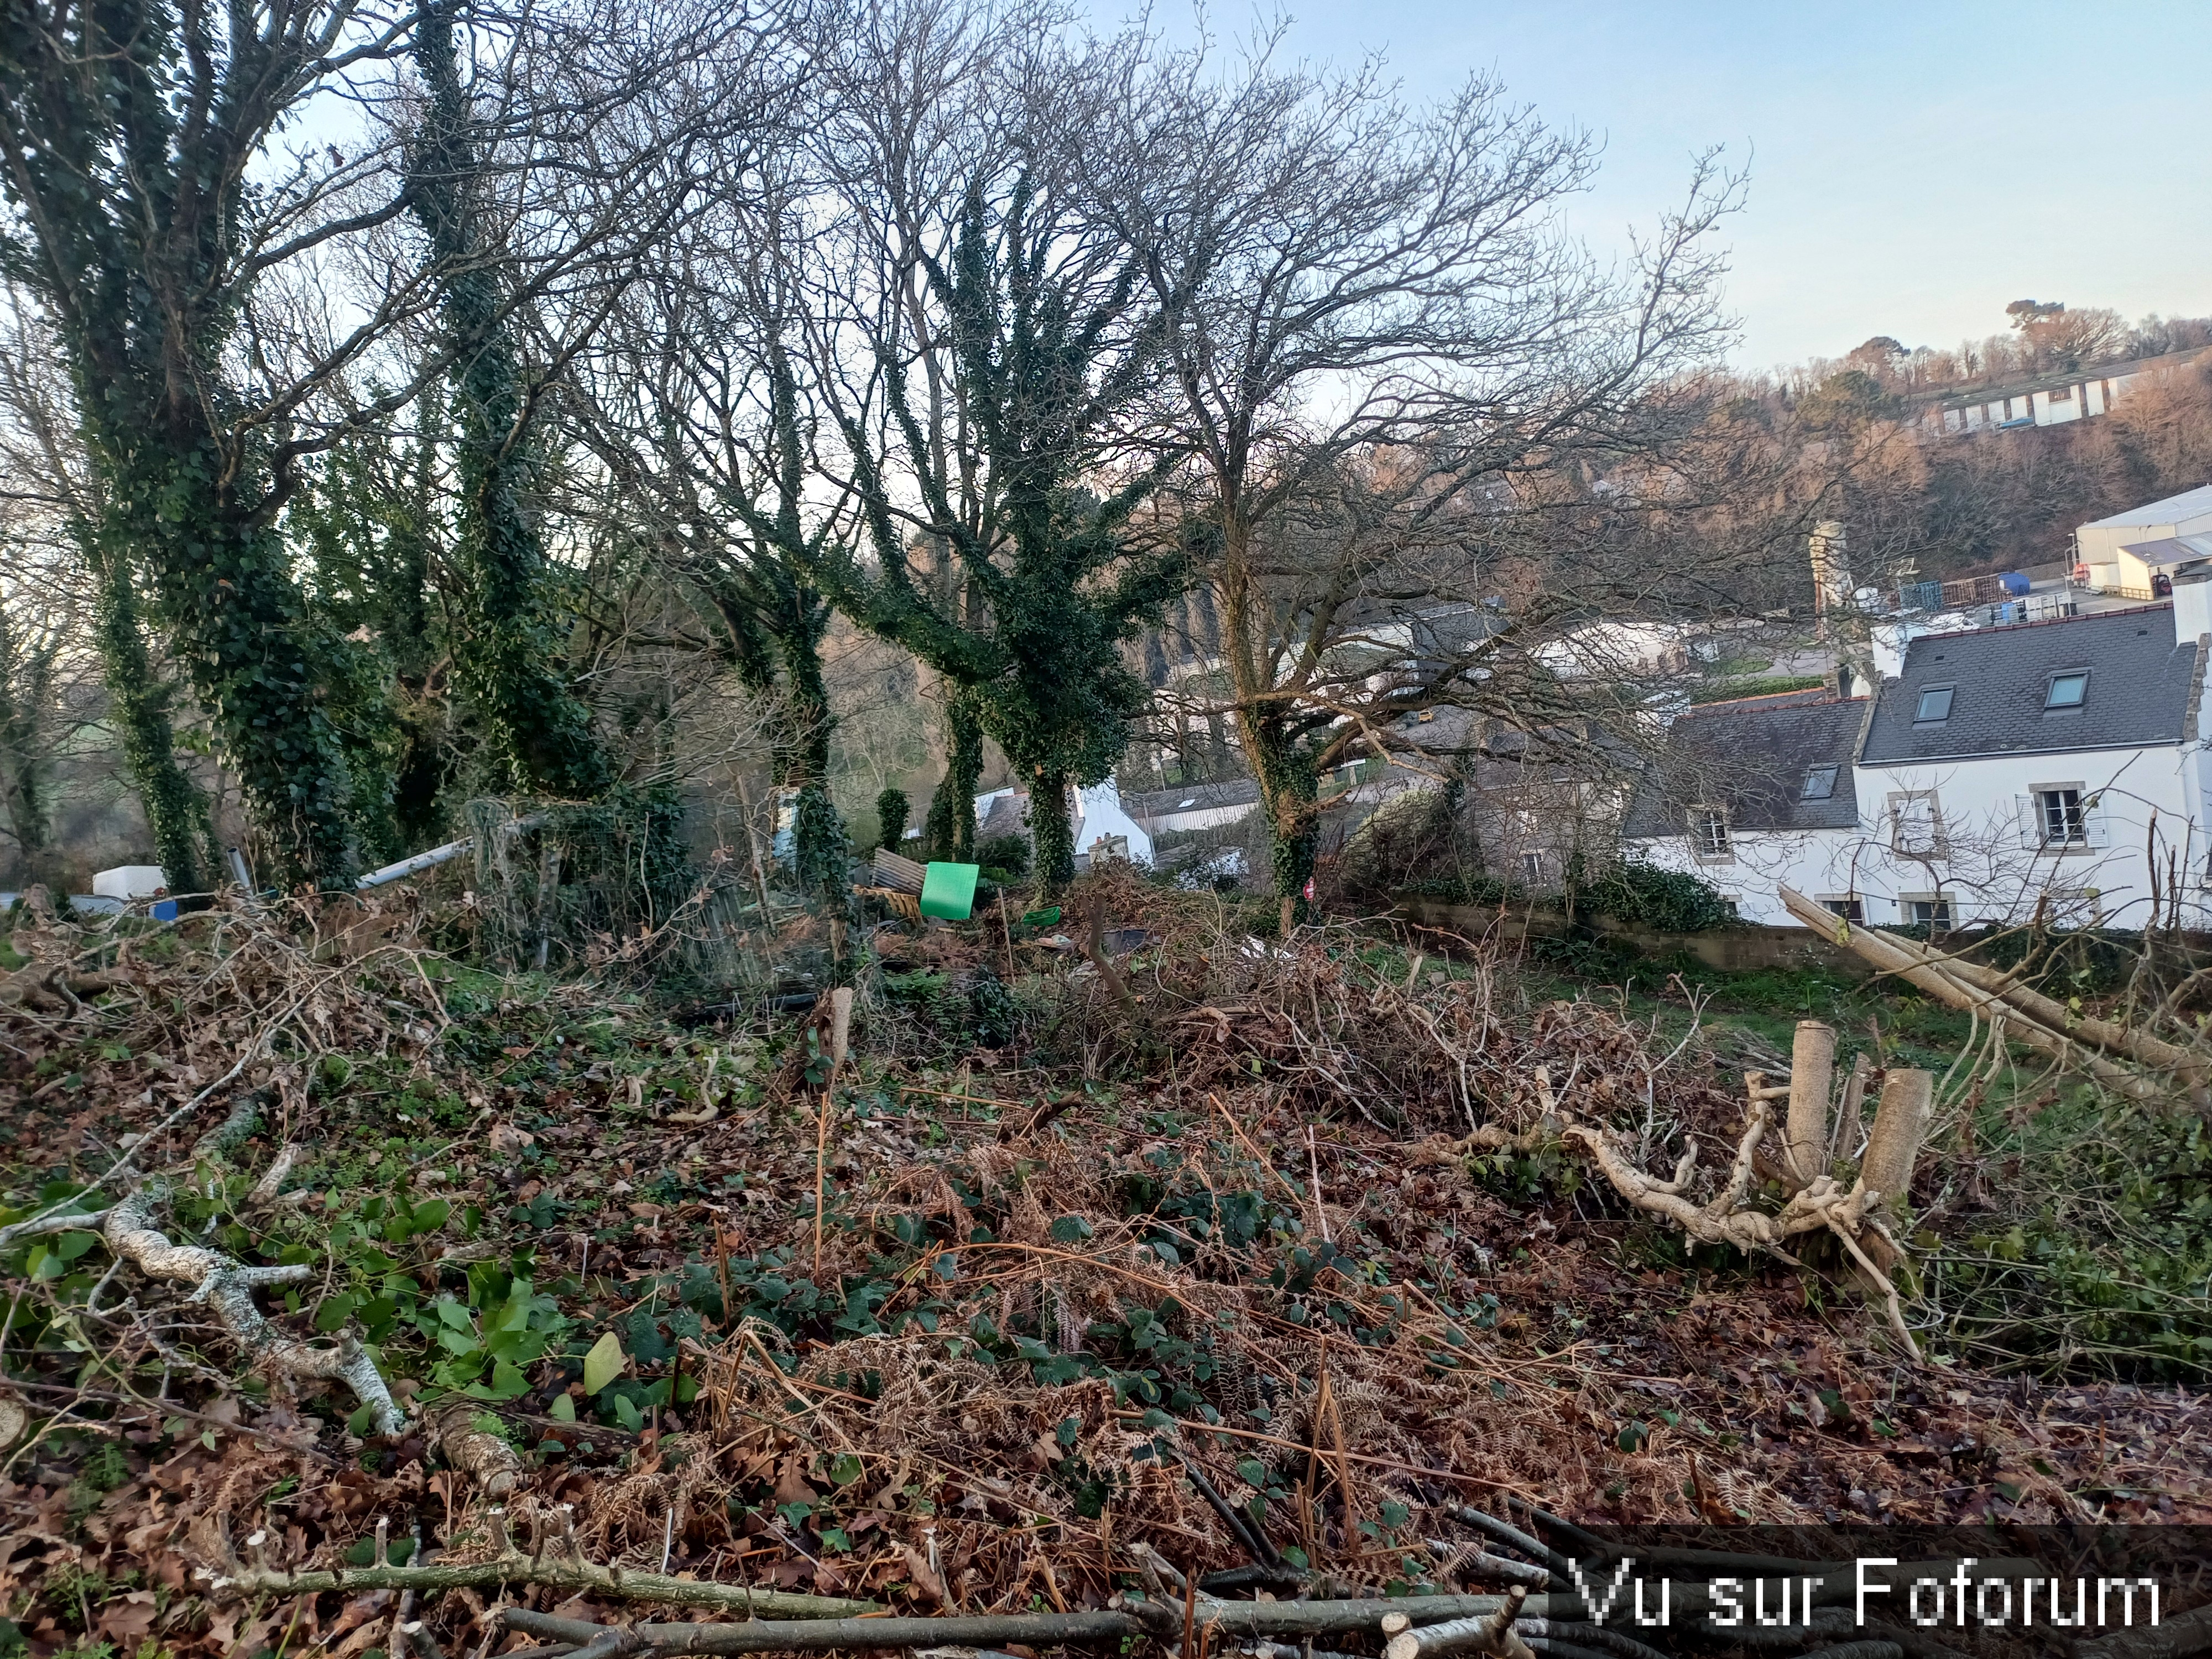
[2192,600]
[1832,577]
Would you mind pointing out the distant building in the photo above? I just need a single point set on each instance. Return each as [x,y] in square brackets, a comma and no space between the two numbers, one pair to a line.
[2129,552]
[1194,807]
[2051,399]
[2054,766]
[1755,794]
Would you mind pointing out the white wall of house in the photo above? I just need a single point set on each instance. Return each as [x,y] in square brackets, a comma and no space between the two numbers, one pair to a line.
[1996,862]
[1099,819]
[1817,862]
[1992,861]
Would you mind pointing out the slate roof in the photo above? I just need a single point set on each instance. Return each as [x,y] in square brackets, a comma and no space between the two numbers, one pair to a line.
[2139,684]
[1191,798]
[1008,814]
[1751,756]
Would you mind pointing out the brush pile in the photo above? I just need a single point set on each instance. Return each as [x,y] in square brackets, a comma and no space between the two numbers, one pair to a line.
[360,1300]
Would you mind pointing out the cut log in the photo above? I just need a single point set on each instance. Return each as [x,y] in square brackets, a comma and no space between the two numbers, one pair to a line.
[1812,1077]
[1887,952]
[1899,1125]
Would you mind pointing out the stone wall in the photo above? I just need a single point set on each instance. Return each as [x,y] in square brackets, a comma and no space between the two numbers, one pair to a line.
[1743,949]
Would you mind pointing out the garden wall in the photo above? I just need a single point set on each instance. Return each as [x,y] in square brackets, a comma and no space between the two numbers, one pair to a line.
[1743,949]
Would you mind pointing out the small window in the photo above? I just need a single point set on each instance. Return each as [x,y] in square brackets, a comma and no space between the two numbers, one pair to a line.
[1928,910]
[2064,394]
[2061,816]
[1819,783]
[1846,905]
[1708,832]
[1935,705]
[1916,824]
[2067,690]
[1532,869]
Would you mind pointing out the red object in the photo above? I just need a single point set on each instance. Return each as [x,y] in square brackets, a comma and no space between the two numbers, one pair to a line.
[1309,889]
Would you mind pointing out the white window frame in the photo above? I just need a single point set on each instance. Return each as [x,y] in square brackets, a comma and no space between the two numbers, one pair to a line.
[2036,818]
[1709,848]
[1939,843]
[1837,904]
[1532,868]
[1835,772]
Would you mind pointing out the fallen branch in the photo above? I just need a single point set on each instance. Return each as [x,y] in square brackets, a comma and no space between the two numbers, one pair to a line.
[1933,975]
[765,1636]
[1491,1633]
[227,1285]
[2180,1636]
[485,1457]
[1234,1620]
[1817,1201]
[511,1566]
[1561,1632]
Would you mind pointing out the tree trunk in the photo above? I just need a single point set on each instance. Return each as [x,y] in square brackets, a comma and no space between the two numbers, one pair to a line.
[511,653]
[1050,829]
[176,810]
[822,851]
[25,685]
[949,832]
[1290,789]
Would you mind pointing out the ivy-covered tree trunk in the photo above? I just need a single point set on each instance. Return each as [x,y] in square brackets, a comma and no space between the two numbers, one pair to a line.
[419,783]
[822,853]
[890,817]
[138,706]
[130,129]
[949,832]
[511,655]
[26,689]
[1050,829]
[1290,791]
[259,659]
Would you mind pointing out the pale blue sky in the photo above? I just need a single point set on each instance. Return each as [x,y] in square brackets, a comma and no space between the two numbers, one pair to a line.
[1914,166]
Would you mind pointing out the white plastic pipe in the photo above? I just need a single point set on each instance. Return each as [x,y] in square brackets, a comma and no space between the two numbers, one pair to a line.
[415,866]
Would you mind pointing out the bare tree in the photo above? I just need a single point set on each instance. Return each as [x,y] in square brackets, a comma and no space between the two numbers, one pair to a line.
[1347,282]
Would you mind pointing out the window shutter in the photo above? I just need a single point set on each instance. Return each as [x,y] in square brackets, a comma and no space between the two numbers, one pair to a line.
[2031,821]
[2094,831]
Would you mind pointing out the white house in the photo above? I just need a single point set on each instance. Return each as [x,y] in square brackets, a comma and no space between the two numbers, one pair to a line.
[1756,793]
[2125,552]
[1096,816]
[2055,764]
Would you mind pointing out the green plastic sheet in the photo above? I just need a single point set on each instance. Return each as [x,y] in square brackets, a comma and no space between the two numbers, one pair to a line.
[948,890]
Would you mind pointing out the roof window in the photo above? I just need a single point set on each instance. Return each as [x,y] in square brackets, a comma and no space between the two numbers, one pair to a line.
[2067,690]
[1819,783]
[1935,705]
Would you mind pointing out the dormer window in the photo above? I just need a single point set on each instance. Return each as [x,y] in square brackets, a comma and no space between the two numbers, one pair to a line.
[1935,705]
[1819,783]
[2069,691]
